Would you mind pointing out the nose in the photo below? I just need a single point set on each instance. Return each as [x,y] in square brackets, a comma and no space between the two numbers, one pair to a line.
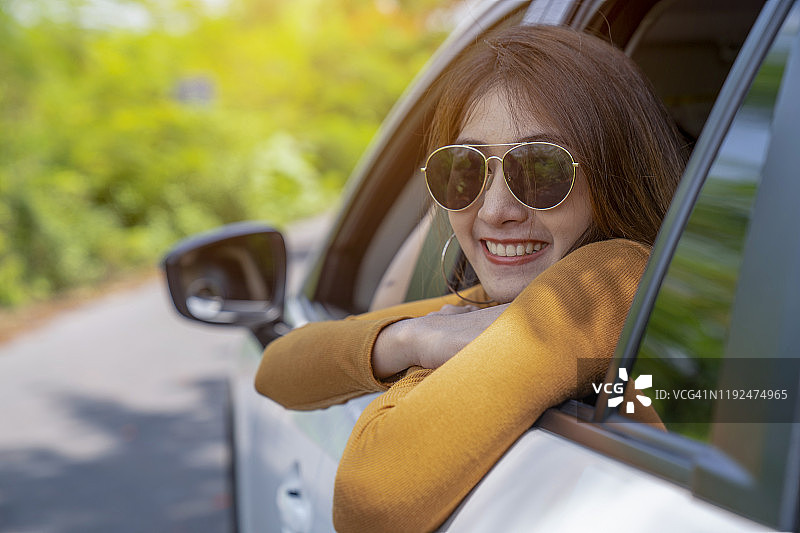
[499,205]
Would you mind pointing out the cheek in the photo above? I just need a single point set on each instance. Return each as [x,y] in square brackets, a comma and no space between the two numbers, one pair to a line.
[574,216]
[462,223]
[583,205]
[581,216]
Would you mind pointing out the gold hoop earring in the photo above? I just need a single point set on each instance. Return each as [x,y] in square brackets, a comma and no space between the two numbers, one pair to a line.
[447,280]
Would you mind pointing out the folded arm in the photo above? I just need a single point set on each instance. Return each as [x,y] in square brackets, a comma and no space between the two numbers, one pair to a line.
[418,449]
[324,363]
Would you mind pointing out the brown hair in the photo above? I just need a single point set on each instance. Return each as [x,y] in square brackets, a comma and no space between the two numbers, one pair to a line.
[601,106]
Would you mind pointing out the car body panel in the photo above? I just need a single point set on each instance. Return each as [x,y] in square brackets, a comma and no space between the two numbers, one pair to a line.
[568,487]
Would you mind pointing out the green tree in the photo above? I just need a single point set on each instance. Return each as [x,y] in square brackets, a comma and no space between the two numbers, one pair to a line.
[118,137]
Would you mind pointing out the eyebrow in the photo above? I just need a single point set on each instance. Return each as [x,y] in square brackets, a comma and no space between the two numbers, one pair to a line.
[531,138]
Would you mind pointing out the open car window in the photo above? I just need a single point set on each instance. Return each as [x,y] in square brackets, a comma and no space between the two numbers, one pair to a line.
[386,198]
[686,57]
[720,342]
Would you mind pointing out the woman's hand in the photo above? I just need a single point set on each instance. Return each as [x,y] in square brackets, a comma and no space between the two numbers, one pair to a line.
[429,341]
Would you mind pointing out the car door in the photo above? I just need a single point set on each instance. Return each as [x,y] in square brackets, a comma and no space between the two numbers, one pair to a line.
[714,325]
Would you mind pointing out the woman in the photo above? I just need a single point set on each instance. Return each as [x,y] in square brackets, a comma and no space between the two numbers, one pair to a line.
[556,164]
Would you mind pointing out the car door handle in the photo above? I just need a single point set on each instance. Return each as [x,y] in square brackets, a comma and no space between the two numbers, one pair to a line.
[294,506]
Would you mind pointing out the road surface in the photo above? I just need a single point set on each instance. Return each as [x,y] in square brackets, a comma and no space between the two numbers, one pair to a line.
[113,417]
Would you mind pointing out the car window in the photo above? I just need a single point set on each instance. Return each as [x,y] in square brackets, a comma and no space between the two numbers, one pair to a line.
[726,309]
[687,334]
[386,197]
[685,48]
[686,59]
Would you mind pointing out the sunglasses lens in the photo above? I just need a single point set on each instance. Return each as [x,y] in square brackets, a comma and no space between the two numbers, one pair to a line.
[455,176]
[539,174]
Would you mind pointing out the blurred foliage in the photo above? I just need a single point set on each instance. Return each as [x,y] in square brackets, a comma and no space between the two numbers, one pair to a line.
[125,125]
[685,339]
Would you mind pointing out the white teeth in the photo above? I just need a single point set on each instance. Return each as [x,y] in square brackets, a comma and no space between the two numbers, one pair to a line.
[513,250]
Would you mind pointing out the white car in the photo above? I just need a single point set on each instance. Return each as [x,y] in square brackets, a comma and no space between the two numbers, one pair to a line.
[716,321]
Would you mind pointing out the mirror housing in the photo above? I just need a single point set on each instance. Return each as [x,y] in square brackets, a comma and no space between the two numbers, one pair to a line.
[232,276]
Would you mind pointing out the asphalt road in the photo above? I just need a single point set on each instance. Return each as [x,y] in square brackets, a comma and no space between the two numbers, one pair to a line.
[112,417]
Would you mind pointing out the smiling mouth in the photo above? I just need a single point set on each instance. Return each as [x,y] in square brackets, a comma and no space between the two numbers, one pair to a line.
[514,249]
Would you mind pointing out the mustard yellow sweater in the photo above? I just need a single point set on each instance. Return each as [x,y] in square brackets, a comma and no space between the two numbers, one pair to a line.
[420,447]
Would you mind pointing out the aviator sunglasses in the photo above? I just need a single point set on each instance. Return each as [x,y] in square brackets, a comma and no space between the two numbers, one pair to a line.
[539,174]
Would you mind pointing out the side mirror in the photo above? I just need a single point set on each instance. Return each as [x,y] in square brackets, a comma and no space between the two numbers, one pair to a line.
[233,276]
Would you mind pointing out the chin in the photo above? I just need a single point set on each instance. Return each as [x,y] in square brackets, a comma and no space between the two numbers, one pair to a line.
[505,290]
[503,284]
[503,295]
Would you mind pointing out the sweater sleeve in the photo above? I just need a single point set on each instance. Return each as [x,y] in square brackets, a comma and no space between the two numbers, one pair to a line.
[324,363]
[417,450]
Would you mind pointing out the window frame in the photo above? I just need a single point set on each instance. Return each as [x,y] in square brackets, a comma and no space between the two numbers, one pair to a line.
[395,152]
[733,92]
[711,471]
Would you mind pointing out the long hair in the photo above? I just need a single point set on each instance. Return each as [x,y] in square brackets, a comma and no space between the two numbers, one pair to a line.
[604,111]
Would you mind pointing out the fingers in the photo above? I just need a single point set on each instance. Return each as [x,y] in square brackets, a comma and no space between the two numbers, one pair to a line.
[449,309]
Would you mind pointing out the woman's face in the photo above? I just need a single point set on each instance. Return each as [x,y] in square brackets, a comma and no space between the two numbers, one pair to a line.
[497,219]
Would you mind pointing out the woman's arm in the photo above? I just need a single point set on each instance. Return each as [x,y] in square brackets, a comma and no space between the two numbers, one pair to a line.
[418,449]
[324,363]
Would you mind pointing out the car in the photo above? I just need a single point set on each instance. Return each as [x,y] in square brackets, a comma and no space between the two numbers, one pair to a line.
[713,327]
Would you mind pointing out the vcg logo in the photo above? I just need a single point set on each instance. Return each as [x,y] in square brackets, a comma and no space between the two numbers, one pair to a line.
[645,381]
